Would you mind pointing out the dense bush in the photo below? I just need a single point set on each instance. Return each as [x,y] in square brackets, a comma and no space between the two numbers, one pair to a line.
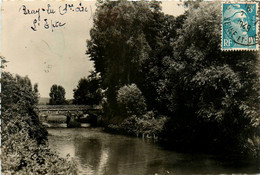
[23,155]
[131,101]
[150,125]
[146,126]
[24,139]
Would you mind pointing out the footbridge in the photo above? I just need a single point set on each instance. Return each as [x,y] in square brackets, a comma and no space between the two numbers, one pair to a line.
[68,114]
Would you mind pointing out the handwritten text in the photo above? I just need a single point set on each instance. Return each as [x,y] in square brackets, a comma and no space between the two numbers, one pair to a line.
[49,22]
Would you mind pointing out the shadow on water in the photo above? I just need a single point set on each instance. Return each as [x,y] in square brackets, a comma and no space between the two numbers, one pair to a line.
[206,161]
[101,153]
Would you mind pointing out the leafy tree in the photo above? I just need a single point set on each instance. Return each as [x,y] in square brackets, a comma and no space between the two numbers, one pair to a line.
[213,95]
[57,95]
[88,91]
[20,100]
[119,45]
[161,42]
[24,139]
[128,43]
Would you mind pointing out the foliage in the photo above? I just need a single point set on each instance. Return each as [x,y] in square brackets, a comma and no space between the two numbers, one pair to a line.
[24,139]
[213,96]
[57,95]
[119,45]
[131,101]
[88,91]
[22,155]
[161,41]
[20,97]
[3,62]
[147,125]
[128,43]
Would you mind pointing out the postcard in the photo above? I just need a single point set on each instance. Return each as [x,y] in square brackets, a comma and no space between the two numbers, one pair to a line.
[130,87]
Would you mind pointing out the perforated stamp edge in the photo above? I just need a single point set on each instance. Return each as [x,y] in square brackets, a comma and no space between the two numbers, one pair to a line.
[257,26]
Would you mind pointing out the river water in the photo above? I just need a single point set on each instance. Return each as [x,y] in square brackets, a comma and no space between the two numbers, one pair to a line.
[100,153]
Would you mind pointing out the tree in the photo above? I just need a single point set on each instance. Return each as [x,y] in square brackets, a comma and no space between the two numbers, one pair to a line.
[20,104]
[23,137]
[57,95]
[88,91]
[161,41]
[213,95]
[121,44]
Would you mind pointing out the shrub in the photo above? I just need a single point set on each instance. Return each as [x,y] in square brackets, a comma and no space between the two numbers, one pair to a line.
[131,101]
[147,126]
[23,155]
[150,126]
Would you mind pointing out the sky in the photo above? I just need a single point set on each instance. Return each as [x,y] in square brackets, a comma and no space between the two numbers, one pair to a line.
[51,55]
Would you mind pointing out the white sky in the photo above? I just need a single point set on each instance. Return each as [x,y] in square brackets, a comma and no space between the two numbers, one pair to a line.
[48,57]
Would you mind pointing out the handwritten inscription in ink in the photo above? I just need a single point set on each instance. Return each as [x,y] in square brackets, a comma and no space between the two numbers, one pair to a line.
[71,8]
[44,17]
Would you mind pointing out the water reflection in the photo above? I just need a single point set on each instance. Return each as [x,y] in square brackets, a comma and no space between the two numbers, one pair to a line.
[102,153]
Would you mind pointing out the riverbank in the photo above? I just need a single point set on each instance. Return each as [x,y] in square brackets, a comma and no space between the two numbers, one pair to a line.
[180,147]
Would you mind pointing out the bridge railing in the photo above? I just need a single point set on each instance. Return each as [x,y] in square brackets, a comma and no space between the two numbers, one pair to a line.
[64,107]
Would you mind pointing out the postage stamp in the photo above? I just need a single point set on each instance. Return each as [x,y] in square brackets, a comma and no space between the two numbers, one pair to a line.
[239,26]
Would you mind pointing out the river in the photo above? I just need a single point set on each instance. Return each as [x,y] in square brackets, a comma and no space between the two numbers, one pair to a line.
[100,153]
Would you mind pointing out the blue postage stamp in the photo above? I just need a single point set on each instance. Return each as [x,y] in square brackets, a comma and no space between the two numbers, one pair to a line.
[239,26]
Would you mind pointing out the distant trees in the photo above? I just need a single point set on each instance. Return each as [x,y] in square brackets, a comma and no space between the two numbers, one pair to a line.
[57,95]
[88,91]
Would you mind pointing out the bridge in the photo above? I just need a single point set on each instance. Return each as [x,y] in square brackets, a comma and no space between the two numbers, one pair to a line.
[69,114]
